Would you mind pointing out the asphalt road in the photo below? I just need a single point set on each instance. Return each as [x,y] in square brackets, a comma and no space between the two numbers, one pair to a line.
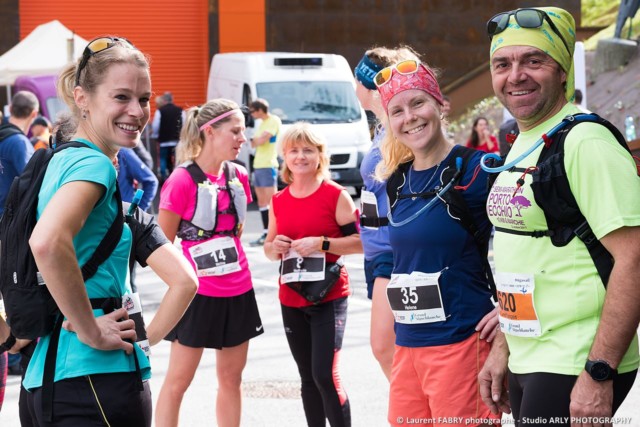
[271,384]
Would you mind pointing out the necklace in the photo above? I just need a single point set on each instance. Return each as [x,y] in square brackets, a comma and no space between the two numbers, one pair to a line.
[426,185]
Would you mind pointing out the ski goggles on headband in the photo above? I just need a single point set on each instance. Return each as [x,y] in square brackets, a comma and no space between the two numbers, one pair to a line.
[409,66]
[96,46]
[525,18]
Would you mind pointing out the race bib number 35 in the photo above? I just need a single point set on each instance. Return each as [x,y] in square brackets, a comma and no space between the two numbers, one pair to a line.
[518,315]
[215,257]
[415,298]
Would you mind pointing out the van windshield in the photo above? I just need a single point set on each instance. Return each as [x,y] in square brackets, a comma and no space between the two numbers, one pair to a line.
[313,102]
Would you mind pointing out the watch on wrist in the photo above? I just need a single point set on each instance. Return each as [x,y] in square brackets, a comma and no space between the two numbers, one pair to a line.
[325,244]
[600,370]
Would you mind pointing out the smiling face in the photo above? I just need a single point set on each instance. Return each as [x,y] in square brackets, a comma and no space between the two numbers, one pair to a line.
[118,110]
[414,118]
[529,83]
[302,159]
[227,139]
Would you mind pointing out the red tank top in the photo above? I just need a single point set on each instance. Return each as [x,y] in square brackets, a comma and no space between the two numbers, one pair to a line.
[314,215]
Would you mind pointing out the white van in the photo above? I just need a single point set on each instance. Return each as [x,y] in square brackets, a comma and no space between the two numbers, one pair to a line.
[316,88]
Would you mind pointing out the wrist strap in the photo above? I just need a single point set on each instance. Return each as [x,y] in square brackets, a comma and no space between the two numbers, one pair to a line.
[10,342]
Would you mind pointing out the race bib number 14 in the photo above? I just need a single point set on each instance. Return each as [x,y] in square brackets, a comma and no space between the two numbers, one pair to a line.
[215,257]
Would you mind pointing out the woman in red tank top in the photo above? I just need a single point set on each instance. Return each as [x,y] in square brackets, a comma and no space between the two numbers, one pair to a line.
[313,222]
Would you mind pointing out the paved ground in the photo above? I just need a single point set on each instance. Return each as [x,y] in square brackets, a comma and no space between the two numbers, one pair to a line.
[271,383]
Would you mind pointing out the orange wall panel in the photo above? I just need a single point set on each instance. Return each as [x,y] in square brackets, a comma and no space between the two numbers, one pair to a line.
[242,25]
[174,34]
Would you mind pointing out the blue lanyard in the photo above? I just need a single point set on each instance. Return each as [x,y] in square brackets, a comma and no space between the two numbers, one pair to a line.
[580,118]
[437,197]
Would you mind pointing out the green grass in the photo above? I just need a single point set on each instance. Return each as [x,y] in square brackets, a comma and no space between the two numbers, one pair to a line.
[599,13]
[604,13]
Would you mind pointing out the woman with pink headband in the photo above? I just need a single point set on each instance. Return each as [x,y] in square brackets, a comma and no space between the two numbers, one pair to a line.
[204,202]
[438,292]
[374,229]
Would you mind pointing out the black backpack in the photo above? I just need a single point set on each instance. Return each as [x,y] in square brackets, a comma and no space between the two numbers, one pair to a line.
[553,194]
[7,130]
[452,198]
[31,311]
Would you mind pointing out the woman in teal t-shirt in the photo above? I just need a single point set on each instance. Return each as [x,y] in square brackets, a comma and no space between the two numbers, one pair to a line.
[100,376]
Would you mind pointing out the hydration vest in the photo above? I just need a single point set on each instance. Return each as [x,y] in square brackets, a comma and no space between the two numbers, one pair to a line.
[452,198]
[553,194]
[204,221]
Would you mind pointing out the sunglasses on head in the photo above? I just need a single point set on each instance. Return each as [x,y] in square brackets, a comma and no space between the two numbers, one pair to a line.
[525,18]
[410,66]
[96,46]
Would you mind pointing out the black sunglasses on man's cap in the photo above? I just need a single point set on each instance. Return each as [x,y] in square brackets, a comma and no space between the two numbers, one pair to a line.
[526,18]
[97,46]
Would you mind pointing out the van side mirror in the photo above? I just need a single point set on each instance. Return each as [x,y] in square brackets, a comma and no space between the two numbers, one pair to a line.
[248,119]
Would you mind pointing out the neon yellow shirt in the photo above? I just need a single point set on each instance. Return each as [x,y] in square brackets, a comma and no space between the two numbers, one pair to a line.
[569,294]
[266,154]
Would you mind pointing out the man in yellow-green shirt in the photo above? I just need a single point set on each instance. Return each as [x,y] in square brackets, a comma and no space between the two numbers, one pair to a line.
[570,345]
[265,163]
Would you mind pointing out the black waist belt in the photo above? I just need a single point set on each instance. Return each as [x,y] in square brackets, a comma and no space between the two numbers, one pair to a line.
[373,221]
[107,305]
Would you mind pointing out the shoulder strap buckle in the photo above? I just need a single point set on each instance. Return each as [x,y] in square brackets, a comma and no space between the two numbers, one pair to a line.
[585,233]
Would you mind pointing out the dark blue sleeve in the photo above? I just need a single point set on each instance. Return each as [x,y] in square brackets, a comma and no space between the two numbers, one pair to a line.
[137,170]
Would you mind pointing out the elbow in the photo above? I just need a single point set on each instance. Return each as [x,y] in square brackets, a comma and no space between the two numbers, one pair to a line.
[188,284]
[44,246]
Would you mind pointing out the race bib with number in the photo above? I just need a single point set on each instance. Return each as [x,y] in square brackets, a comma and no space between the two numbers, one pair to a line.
[518,315]
[131,302]
[215,257]
[368,205]
[415,298]
[296,268]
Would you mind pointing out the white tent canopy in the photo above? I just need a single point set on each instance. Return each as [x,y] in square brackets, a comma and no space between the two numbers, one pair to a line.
[44,51]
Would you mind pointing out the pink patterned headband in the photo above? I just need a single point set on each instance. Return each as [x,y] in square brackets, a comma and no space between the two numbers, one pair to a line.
[218,118]
[423,79]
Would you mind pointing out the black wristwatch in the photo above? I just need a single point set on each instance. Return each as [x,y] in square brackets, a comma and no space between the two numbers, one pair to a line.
[600,370]
[6,346]
[325,243]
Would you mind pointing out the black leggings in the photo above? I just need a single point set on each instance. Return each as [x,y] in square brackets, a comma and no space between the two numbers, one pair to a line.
[97,400]
[544,396]
[315,338]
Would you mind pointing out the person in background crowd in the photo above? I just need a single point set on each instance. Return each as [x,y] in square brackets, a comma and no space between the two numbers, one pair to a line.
[378,257]
[166,126]
[577,100]
[439,291]
[132,172]
[446,106]
[96,377]
[41,131]
[571,347]
[481,138]
[15,147]
[204,202]
[329,230]
[265,163]
[507,135]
